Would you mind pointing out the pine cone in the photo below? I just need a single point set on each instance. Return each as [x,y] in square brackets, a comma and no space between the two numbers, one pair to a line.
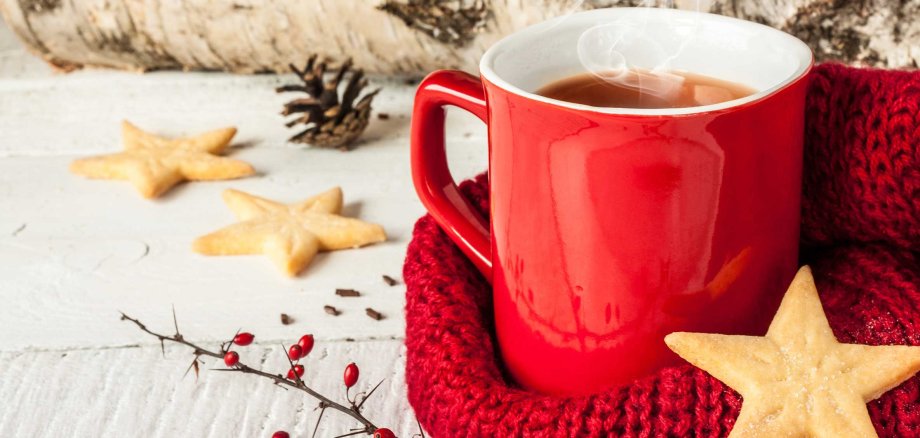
[331,122]
[448,21]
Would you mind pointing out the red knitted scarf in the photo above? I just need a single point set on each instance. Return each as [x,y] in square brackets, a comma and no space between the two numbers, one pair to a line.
[860,233]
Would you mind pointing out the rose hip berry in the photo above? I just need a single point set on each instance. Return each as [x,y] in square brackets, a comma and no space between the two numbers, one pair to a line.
[384,433]
[351,375]
[298,369]
[295,352]
[306,344]
[231,358]
[281,434]
[243,339]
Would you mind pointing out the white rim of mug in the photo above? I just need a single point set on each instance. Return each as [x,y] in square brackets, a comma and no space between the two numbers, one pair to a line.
[486,71]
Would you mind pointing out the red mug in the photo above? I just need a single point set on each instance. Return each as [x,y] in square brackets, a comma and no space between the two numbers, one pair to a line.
[612,227]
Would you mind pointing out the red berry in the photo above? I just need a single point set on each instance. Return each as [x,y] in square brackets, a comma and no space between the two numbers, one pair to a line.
[297,369]
[295,352]
[351,375]
[281,434]
[384,433]
[231,358]
[243,339]
[306,344]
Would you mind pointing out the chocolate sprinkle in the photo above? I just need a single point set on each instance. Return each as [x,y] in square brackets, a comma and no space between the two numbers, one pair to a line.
[286,319]
[347,293]
[373,314]
[331,310]
[390,280]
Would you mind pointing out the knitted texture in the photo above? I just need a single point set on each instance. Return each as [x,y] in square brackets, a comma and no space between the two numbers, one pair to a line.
[862,149]
[861,228]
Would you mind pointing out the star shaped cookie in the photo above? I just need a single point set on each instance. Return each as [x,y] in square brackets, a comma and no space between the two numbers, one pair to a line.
[290,235]
[155,164]
[798,381]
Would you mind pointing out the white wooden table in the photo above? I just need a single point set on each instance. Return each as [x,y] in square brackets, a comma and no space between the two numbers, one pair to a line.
[73,252]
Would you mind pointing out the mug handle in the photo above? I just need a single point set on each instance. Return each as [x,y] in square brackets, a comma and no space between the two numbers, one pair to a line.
[433,183]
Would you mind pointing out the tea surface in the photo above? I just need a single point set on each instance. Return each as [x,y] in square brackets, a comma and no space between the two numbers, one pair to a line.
[640,89]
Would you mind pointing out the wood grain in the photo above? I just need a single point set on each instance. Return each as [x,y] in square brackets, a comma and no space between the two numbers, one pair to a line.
[136,392]
[74,251]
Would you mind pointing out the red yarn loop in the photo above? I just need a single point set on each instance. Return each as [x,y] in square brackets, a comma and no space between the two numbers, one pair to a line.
[861,229]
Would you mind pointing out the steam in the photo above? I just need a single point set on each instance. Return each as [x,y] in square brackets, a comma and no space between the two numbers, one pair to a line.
[615,51]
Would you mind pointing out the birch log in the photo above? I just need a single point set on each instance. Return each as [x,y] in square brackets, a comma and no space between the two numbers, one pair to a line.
[396,36]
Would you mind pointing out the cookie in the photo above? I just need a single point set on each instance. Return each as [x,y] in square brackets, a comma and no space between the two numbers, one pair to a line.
[798,380]
[155,164]
[290,235]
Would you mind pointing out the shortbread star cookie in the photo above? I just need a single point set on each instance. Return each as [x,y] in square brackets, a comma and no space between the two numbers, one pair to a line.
[798,381]
[290,235]
[155,164]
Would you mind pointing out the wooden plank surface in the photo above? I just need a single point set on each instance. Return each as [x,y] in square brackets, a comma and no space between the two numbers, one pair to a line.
[73,252]
[135,392]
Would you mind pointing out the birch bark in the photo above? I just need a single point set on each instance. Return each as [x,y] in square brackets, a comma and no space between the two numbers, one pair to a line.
[252,36]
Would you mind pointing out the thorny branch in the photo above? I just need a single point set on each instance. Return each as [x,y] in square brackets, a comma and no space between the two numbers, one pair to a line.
[353,411]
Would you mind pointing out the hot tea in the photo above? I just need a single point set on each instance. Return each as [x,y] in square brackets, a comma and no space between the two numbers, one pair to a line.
[643,89]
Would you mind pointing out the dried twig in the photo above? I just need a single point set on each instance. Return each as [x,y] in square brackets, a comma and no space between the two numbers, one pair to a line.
[349,434]
[315,428]
[198,351]
[364,399]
